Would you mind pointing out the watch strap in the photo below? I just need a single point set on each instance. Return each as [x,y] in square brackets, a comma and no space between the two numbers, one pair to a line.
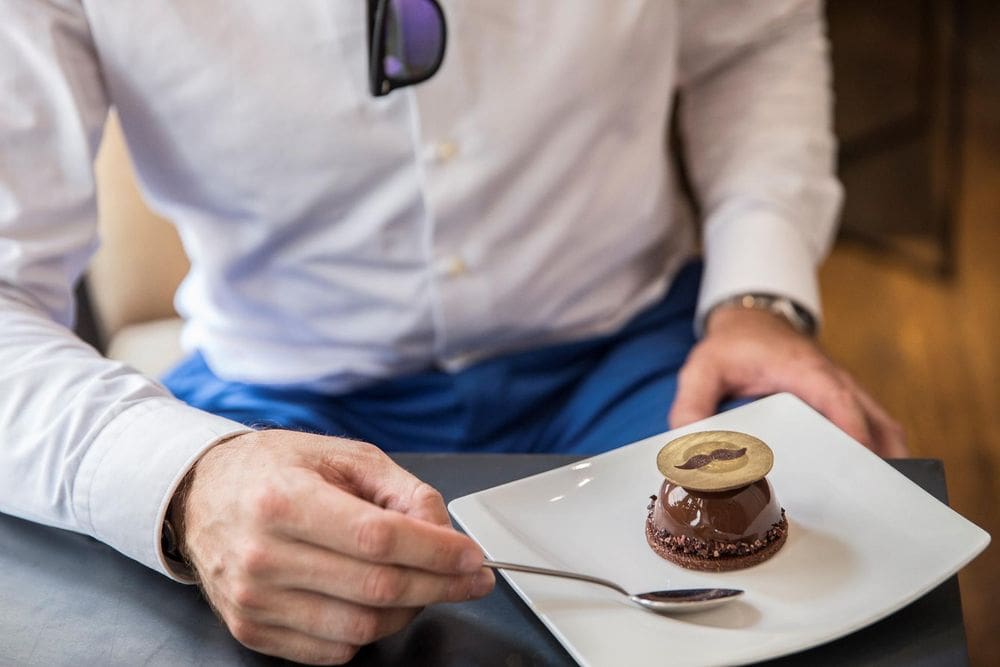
[798,317]
[168,542]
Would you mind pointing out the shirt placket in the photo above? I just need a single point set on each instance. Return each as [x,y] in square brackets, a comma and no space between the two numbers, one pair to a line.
[459,290]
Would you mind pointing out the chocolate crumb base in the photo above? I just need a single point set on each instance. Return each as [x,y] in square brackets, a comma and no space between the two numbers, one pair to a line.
[713,556]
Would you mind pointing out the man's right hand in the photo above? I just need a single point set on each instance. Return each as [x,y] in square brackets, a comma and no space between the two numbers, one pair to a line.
[311,546]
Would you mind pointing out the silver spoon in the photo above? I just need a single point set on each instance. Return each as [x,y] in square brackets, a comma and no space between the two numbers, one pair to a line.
[663,602]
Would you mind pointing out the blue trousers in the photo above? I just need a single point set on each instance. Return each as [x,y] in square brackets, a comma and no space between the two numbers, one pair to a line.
[582,397]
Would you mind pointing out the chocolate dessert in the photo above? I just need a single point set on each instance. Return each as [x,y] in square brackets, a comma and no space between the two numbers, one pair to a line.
[715,510]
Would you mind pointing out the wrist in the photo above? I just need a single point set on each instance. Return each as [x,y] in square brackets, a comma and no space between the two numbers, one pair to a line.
[781,308]
[173,541]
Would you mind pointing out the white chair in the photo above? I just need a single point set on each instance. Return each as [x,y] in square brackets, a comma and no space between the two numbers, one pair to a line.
[134,275]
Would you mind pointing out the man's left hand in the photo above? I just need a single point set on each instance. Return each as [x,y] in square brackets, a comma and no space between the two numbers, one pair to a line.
[754,353]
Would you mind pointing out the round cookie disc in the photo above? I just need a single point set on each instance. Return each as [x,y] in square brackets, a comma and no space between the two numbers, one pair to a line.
[715,460]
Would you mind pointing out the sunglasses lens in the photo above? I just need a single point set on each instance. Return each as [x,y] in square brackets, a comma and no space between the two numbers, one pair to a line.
[414,39]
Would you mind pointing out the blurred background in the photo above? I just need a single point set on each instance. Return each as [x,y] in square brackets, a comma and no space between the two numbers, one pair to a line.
[912,290]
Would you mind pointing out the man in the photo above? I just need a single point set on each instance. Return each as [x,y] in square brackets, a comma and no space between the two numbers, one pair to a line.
[493,259]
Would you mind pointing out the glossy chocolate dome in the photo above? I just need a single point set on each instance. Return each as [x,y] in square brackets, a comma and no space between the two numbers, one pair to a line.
[742,514]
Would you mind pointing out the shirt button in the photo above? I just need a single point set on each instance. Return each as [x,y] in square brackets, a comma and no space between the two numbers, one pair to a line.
[445,150]
[456,362]
[451,266]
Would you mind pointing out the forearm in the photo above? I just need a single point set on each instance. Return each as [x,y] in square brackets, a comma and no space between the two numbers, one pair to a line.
[756,118]
[89,444]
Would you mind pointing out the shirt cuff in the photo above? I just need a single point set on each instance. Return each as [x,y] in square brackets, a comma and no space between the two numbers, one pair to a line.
[132,468]
[757,252]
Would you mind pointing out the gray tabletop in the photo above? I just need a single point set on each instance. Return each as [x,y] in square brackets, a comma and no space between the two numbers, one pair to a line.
[68,599]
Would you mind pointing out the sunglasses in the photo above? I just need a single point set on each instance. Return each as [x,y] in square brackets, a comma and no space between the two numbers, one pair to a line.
[406,41]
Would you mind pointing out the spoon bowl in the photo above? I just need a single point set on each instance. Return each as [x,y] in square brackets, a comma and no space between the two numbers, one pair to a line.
[685,599]
[672,601]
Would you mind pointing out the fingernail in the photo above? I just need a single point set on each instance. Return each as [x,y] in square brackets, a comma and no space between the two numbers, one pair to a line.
[472,560]
[483,583]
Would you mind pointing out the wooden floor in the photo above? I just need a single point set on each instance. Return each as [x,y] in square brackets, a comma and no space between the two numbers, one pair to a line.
[930,349]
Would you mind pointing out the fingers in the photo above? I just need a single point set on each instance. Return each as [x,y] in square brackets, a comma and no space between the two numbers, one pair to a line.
[839,397]
[809,374]
[317,616]
[301,566]
[824,389]
[426,503]
[376,477]
[700,388]
[321,514]
[290,644]
[747,353]
[888,437]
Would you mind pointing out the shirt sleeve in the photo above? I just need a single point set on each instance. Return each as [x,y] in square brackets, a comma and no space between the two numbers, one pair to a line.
[756,116]
[86,444]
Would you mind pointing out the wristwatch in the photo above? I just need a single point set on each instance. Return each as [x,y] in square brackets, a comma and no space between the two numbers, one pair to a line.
[170,536]
[797,316]
[169,543]
[171,546]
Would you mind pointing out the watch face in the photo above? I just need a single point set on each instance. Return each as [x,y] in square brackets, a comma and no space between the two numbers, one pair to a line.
[785,308]
[797,315]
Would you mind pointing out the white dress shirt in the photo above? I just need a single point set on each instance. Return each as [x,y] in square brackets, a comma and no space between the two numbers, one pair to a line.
[522,196]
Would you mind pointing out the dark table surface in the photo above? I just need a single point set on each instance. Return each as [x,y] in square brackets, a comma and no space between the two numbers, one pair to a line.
[68,599]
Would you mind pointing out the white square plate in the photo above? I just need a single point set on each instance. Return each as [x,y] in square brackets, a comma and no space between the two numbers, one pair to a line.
[863,542]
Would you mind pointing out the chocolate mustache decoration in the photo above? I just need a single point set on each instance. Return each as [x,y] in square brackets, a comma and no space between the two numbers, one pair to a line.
[721,454]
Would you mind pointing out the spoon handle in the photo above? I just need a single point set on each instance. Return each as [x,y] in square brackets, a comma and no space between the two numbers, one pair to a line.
[498,565]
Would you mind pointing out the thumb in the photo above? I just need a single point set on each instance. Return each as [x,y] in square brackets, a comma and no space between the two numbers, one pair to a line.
[700,388]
